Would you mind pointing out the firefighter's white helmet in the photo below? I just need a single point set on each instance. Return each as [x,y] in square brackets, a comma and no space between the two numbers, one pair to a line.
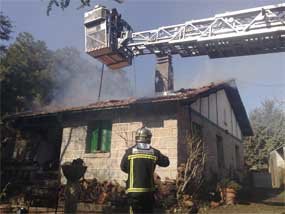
[143,135]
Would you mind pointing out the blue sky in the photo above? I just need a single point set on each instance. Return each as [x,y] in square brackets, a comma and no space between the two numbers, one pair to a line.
[258,77]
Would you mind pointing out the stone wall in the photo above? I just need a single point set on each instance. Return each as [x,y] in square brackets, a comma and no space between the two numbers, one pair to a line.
[164,124]
[107,165]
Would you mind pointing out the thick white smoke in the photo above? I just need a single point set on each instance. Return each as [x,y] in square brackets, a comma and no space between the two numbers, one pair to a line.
[78,81]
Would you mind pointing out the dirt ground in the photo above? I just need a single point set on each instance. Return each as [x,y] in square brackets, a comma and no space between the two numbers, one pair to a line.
[250,208]
[259,201]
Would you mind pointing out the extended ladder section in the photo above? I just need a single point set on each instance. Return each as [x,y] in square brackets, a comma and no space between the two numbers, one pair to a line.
[245,32]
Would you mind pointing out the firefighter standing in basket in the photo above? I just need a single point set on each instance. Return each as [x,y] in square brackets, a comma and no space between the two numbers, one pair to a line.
[139,162]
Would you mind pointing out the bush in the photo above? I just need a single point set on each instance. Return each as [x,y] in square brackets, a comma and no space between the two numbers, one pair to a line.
[233,185]
[228,183]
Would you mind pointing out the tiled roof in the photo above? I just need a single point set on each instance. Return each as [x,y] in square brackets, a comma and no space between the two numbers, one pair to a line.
[182,94]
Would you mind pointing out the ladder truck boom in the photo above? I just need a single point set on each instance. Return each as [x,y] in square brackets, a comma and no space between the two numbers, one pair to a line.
[245,32]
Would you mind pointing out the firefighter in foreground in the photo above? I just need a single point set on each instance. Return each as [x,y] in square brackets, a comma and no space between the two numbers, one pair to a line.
[139,162]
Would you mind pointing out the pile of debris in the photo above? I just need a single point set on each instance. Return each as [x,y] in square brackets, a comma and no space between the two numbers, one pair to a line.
[114,194]
[168,198]
[102,192]
[165,194]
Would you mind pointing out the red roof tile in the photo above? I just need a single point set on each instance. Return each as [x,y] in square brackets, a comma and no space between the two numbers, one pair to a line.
[182,94]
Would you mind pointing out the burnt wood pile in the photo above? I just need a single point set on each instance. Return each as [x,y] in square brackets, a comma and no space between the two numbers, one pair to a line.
[29,185]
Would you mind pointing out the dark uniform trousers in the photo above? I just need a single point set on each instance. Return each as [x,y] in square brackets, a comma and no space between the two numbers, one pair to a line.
[141,202]
[140,165]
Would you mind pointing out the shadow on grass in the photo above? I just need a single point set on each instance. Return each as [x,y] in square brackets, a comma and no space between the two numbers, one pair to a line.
[271,197]
[274,203]
[244,203]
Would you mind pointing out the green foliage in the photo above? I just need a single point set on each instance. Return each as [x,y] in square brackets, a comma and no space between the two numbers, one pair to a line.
[223,183]
[228,183]
[234,185]
[268,123]
[5,31]
[63,4]
[25,75]
[32,76]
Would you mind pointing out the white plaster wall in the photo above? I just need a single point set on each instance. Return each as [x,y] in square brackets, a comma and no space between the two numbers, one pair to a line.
[213,108]
[196,105]
[216,107]
[205,107]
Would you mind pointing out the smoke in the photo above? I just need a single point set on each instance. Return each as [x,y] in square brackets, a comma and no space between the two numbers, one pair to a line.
[247,70]
[258,77]
[77,81]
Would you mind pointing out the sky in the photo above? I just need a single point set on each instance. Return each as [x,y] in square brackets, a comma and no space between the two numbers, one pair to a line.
[258,77]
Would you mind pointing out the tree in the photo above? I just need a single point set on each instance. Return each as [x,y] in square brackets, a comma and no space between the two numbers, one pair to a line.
[191,175]
[25,76]
[268,123]
[64,4]
[32,76]
[76,80]
[5,31]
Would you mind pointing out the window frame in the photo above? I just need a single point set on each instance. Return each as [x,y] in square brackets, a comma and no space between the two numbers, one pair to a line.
[101,126]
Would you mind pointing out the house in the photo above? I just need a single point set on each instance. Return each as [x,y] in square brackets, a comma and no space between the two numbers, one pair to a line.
[101,132]
[277,167]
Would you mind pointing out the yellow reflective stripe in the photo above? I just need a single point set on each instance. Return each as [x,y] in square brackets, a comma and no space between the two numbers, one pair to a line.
[140,190]
[131,210]
[132,173]
[131,178]
[152,157]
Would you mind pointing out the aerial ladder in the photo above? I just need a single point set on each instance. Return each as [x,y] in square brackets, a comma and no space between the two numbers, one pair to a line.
[111,40]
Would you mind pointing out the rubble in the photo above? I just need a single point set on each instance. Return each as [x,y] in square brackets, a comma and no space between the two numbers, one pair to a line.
[102,192]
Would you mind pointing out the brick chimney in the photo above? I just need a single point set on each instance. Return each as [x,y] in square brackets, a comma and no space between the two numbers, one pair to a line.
[163,74]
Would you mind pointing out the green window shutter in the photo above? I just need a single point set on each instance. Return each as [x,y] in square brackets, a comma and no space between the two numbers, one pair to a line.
[94,140]
[106,127]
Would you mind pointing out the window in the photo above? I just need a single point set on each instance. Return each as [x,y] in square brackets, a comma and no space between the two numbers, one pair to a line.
[197,131]
[220,151]
[99,136]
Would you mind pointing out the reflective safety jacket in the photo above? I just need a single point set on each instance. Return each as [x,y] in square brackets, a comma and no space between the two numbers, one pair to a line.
[140,164]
